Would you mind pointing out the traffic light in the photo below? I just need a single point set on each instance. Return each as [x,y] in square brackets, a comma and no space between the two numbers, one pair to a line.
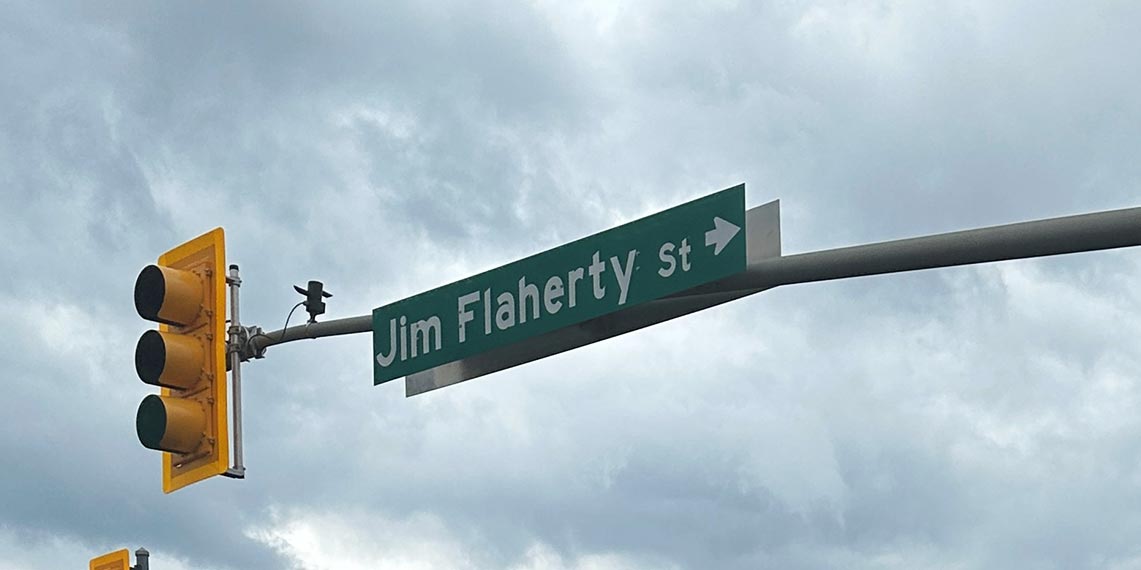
[118,560]
[186,293]
[121,560]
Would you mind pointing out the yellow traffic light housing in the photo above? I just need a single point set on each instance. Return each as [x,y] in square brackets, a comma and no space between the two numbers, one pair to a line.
[186,293]
[118,560]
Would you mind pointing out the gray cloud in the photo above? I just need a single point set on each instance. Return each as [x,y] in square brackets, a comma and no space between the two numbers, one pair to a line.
[967,418]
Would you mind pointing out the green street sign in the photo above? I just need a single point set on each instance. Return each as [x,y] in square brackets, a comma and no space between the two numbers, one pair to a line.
[659,255]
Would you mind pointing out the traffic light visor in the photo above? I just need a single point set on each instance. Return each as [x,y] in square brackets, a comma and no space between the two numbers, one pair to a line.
[169,360]
[167,295]
[170,424]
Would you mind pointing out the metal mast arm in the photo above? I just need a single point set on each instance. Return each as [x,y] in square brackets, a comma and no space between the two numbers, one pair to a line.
[1071,234]
[335,327]
[1055,236]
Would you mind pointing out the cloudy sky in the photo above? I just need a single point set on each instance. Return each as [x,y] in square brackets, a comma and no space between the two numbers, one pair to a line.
[977,417]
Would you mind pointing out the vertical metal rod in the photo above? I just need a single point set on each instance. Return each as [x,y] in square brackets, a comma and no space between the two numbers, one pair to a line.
[239,469]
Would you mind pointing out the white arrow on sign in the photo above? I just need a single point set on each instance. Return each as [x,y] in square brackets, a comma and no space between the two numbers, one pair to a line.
[721,234]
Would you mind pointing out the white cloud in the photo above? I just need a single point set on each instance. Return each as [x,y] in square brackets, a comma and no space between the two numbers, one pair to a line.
[321,541]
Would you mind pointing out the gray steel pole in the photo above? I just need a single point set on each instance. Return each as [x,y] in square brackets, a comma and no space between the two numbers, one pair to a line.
[1054,236]
[335,327]
[238,470]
